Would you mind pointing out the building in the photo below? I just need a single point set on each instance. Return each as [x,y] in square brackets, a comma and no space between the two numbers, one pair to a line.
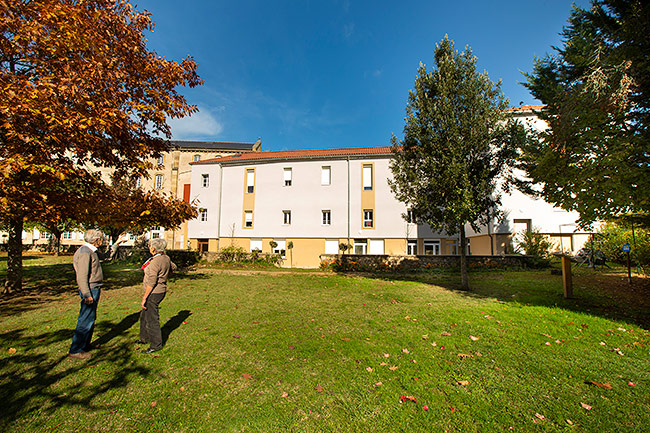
[317,200]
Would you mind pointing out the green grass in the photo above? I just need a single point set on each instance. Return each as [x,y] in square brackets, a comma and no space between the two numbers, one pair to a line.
[267,351]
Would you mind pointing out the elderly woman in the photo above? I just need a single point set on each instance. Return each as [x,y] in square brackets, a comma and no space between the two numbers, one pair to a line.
[156,272]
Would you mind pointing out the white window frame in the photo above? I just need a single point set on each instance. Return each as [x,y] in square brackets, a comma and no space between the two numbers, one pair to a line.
[367,177]
[138,182]
[288,174]
[203,215]
[256,244]
[281,248]
[435,244]
[412,247]
[360,246]
[327,217]
[250,181]
[376,246]
[161,160]
[368,218]
[248,219]
[159,181]
[286,217]
[326,175]
[196,157]
[205,180]
[66,236]
[410,216]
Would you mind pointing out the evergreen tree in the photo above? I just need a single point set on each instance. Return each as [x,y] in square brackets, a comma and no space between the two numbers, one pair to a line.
[457,140]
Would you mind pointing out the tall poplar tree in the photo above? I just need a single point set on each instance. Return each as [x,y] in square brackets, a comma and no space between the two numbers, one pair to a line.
[457,140]
[78,88]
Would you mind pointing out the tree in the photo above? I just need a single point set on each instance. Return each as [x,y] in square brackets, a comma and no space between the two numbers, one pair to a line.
[79,89]
[127,208]
[457,139]
[594,157]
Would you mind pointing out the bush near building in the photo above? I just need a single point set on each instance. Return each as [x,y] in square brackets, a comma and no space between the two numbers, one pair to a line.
[613,237]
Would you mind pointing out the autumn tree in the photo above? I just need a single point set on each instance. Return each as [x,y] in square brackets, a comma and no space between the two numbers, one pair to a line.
[80,89]
[127,208]
[594,157]
[457,139]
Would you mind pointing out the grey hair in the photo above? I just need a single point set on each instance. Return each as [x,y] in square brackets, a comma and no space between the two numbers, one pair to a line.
[158,245]
[92,235]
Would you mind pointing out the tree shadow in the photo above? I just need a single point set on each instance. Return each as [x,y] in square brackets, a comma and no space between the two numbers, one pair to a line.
[601,293]
[172,324]
[114,330]
[35,380]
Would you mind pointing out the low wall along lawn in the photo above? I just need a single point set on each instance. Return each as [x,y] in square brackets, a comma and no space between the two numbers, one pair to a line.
[377,262]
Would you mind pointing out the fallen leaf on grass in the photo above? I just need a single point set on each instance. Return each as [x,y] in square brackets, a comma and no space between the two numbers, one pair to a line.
[383,364]
[345,339]
[463,382]
[547,343]
[153,404]
[631,384]
[617,350]
[425,337]
[425,407]
[182,388]
[246,376]
[568,421]
[540,416]
[586,406]
[602,343]
[393,368]
[471,337]
[386,355]
[446,334]
[378,384]
[12,350]
[408,398]
[405,351]
[285,394]
[601,385]
[319,388]
[464,356]
[434,344]
[369,369]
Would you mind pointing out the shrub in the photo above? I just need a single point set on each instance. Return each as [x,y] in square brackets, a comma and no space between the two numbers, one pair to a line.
[611,237]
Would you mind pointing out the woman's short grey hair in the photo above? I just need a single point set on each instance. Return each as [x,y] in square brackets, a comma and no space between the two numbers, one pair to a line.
[92,235]
[158,245]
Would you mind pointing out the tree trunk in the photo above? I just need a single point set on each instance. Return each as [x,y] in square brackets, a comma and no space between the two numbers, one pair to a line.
[14,280]
[463,259]
[56,234]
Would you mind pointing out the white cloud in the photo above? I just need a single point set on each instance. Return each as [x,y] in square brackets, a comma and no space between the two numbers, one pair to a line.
[203,125]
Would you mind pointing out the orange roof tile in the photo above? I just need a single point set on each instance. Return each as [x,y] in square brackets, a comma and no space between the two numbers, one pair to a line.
[525,108]
[300,154]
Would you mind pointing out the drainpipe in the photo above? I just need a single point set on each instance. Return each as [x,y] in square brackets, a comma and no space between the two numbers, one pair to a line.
[348,160]
[219,208]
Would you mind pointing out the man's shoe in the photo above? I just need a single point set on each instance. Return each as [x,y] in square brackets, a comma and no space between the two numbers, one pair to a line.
[150,350]
[80,355]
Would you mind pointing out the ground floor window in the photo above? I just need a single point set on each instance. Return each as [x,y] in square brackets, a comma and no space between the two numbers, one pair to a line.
[432,248]
[376,246]
[202,245]
[331,246]
[280,248]
[256,245]
[411,247]
[360,246]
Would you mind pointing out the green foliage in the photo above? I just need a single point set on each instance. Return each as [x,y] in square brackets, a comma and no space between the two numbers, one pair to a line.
[612,237]
[534,243]
[235,254]
[457,141]
[595,156]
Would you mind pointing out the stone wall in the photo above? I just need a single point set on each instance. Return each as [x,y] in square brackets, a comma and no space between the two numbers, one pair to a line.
[408,263]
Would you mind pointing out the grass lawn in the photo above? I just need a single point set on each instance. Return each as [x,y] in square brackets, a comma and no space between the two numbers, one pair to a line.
[264,351]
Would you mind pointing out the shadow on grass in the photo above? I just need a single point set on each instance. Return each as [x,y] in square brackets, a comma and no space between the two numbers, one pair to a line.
[172,324]
[35,381]
[114,330]
[603,293]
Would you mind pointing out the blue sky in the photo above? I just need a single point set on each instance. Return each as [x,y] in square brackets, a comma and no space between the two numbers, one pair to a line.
[328,74]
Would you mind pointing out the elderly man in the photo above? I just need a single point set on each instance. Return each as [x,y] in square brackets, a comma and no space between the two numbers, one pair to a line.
[87,266]
[154,284]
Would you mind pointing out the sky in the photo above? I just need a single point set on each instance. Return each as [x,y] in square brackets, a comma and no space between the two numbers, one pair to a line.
[324,74]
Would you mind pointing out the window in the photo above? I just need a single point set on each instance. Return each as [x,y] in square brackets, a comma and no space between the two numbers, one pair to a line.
[412,247]
[376,246]
[360,246]
[160,160]
[280,248]
[256,245]
[410,216]
[205,180]
[327,217]
[67,236]
[326,175]
[196,158]
[248,218]
[367,177]
[367,218]
[453,248]
[287,177]
[250,181]
[286,217]
[331,246]
[138,182]
[45,235]
[202,245]
[432,248]
[203,214]
[159,181]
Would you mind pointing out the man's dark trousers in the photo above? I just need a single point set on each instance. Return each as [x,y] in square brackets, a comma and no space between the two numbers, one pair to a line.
[83,333]
[150,322]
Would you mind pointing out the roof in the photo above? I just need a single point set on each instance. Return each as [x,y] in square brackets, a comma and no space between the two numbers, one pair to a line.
[300,154]
[525,108]
[214,145]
